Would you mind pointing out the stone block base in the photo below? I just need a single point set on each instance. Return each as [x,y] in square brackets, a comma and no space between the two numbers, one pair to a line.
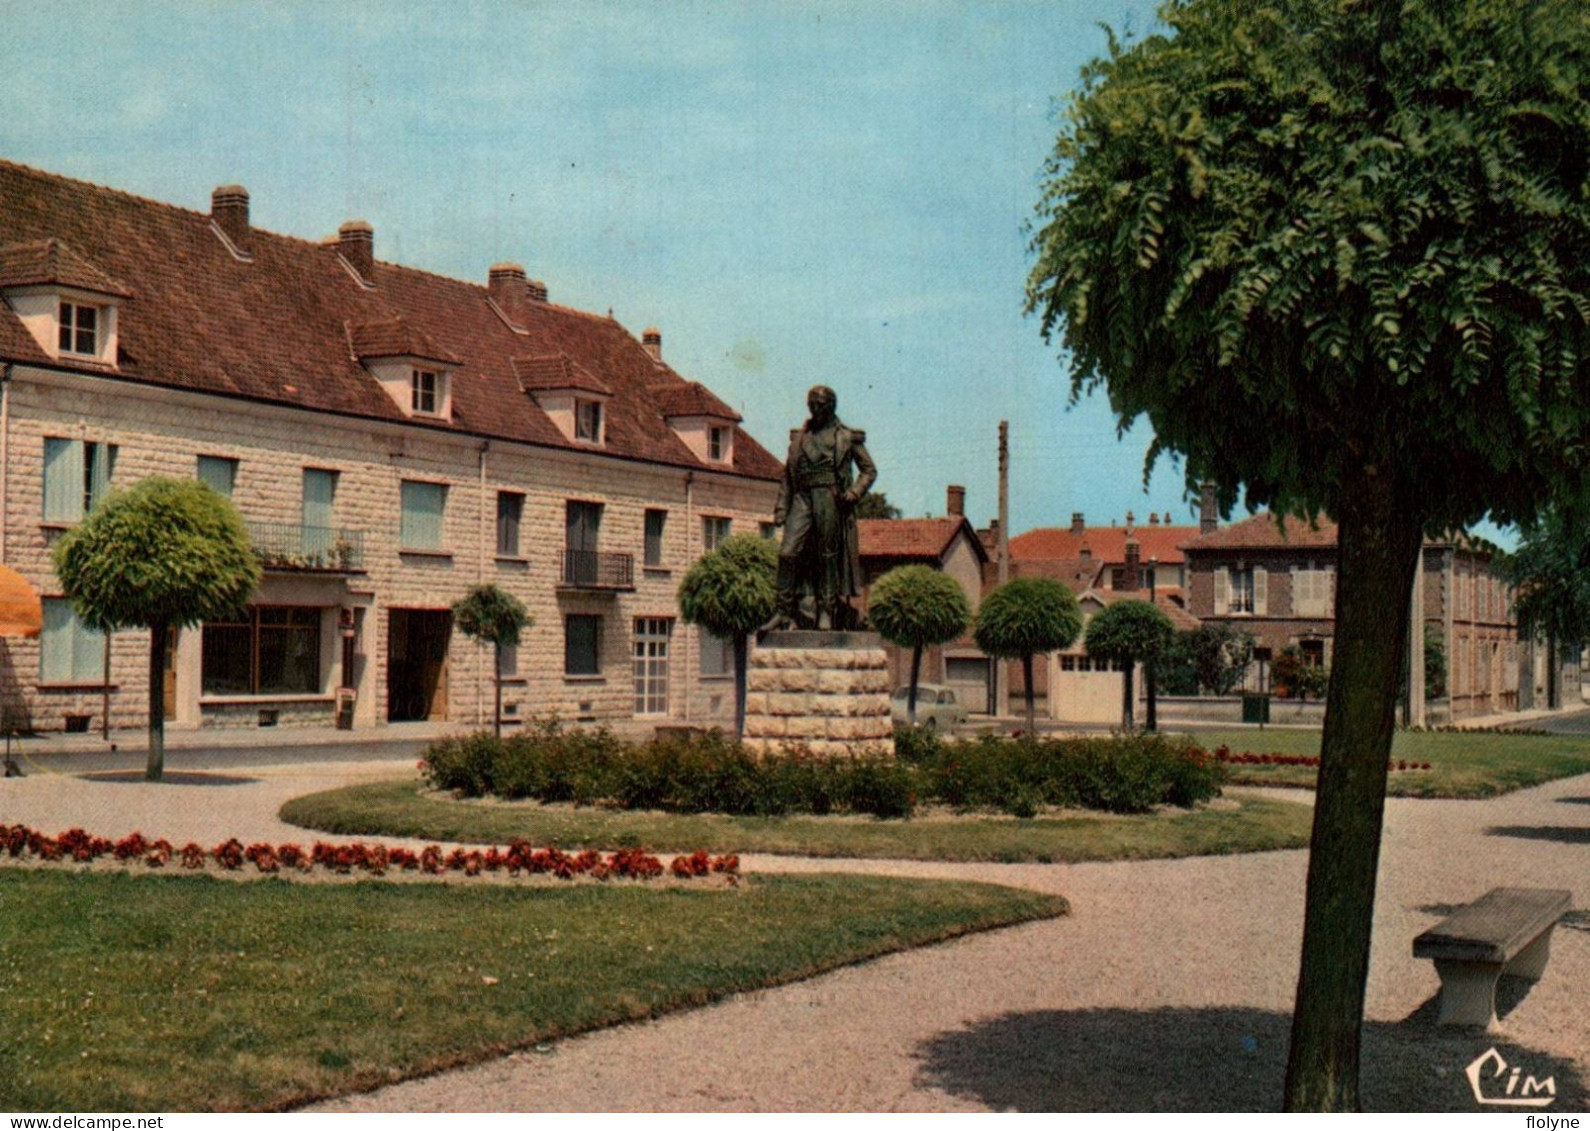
[825,691]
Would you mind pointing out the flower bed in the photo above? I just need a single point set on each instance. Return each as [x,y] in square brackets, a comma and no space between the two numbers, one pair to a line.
[519,858]
[1246,758]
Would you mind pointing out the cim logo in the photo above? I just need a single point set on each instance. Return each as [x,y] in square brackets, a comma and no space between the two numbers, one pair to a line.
[1516,1092]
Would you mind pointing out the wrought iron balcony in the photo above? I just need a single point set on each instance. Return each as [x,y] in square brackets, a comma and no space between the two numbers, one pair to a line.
[587,569]
[289,546]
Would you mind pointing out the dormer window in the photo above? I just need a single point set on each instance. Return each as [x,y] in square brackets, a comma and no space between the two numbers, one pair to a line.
[79,329]
[588,421]
[422,391]
[717,444]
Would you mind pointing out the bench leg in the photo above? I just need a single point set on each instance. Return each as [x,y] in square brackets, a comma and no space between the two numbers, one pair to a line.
[1531,961]
[1468,992]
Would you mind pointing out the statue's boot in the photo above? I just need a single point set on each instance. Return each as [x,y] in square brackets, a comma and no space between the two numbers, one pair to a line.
[787,601]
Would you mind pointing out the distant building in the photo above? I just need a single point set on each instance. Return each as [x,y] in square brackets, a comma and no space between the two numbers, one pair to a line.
[391,436]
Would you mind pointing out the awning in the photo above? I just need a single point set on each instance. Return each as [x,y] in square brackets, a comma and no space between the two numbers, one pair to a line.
[21,614]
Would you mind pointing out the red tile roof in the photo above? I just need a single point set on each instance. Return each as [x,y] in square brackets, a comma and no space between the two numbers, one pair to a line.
[51,261]
[1163,601]
[205,321]
[1260,532]
[1106,543]
[690,399]
[926,539]
[393,337]
[1078,574]
[557,371]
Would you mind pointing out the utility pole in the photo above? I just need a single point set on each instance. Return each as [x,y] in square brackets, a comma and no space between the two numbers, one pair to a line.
[1002,557]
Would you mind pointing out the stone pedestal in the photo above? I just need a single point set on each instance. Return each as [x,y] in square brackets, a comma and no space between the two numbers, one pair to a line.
[827,691]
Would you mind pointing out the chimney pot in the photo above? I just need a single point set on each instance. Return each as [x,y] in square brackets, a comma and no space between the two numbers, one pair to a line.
[1130,519]
[506,285]
[651,338]
[356,242]
[229,210]
[1076,522]
[537,290]
[1208,509]
[955,501]
[1153,519]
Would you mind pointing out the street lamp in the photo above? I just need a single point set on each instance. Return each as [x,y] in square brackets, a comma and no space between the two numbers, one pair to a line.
[1151,722]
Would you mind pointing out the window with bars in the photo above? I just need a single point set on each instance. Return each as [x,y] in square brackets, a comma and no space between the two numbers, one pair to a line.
[77,475]
[510,510]
[271,650]
[652,635]
[79,329]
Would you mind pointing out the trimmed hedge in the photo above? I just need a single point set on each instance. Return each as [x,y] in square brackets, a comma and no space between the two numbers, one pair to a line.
[711,773]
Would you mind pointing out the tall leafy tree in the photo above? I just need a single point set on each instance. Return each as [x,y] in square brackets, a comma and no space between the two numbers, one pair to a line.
[1338,253]
[1221,654]
[916,607]
[875,504]
[731,592]
[1129,633]
[1550,577]
[1023,617]
[491,614]
[164,553]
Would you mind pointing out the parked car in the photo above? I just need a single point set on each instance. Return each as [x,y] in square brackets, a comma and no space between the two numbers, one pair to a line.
[936,706]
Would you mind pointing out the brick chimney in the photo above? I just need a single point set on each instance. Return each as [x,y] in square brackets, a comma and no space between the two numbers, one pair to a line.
[1077,526]
[356,243]
[506,286]
[538,290]
[1208,510]
[1153,519]
[955,501]
[1132,580]
[651,338]
[1131,519]
[229,210]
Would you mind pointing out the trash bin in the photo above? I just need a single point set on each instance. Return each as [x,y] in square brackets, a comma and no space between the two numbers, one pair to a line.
[1255,707]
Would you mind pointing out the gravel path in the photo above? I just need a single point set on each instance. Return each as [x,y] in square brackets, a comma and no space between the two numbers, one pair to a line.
[1168,988]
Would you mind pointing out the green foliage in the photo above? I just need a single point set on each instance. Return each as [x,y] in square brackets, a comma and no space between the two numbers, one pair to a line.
[1550,575]
[1434,663]
[916,606]
[492,614]
[711,773]
[1310,238]
[1293,678]
[875,504]
[164,551]
[1129,632]
[1221,654]
[732,590]
[1176,672]
[1027,616]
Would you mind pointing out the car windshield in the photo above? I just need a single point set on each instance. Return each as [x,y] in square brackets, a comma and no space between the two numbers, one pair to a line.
[903,694]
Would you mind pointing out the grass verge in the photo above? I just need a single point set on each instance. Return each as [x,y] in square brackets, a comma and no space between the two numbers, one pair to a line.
[1462,764]
[171,993]
[401,809]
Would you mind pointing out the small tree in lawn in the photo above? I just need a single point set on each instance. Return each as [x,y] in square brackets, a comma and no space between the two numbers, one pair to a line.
[164,554]
[1221,654]
[916,607]
[494,616]
[1024,617]
[731,592]
[1129,633]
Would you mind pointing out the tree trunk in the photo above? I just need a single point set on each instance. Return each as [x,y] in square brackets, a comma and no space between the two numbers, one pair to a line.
[496,681]
[916,672]
[1378,550]
[1032,713]
[1151,719]
[157,701]
[1127,713]
[741,652]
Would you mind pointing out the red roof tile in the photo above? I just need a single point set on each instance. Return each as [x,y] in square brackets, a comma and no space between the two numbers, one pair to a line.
[205,321]
[928,539]
[690,398]
[556,371]
[1261,532]
[1078,574]
[1163,601]
[51,262]
[1105,543]
[393,337]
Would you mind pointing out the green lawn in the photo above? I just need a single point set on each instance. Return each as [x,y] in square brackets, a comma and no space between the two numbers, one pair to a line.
[1463,764]
[401,809]
[136,993]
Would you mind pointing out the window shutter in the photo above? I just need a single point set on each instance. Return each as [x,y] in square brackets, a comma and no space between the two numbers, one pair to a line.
[1329,578]
[421,523]
[55,642]
[1222,590]
[88,653]
[63,480]
[102,464]
[1261,591]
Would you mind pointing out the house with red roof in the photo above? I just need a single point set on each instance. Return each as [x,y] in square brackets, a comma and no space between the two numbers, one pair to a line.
[391,437]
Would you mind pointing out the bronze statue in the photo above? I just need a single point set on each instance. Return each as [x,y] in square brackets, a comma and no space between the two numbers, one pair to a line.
[817,509]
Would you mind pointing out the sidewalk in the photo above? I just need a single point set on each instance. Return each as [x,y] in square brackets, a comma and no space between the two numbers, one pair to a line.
[136,740]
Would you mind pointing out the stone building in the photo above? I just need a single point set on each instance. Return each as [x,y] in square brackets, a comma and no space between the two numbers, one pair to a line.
[391,437]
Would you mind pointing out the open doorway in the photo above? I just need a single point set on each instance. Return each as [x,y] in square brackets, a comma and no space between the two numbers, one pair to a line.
[416,666]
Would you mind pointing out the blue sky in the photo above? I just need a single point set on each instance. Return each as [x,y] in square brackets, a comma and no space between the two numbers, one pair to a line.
[794,192]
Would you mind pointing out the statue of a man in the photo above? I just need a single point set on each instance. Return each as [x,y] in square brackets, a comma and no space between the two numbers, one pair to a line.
[827,471]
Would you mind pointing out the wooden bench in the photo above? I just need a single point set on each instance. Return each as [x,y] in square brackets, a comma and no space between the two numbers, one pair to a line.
[1506,933]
